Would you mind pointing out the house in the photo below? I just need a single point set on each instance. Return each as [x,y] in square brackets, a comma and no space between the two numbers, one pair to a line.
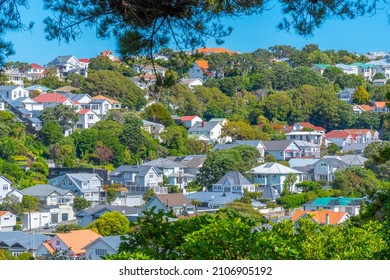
[139,178]
[358,109]
[154,129]
[84,185]
[233,182]
[212,201]
[115,104]
[381,66]
[356,148]
[73,243]
[80,100]
[282,149]
[199,70]
[348,136]
[189,121]
[321,217]
[181,179]
[65,89]
[57,171]
[191,83]
[2,104]
[150,70]
[336,204]
[18,242]
[367,71]
[53,99]
[270,193]
[379,82]
[192,163]
[110,55]
[208,51]
[308,149]
[320,68]
[144,81]
[102,246]
[166,166]
[87,119]
[38,88]
[346,94]
[380,107]
[13,92]
[12,76]
[176,202]
[348,69]
[35,71]
[325,169]
[258,144]
[354,160]
[210,130]
[25,102]
[88,215]
[7,189]
[274,174]
[50,195]
[33,220]
[7,221]
[68,64]
[306,126]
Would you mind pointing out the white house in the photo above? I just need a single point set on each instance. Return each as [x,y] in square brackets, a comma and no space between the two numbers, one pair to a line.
[199,70]
[189,121]
[35,71]
[7,189]
[274,174]
[7,221]
[211,130]
[14,76]
[68,64]
[35,220]
[87,118]
[191,83]
[85,185]
[102,246]
[348,69]
[13,92]
[381,66]
[367,71]
[380,107]
[155,129]
[141,177]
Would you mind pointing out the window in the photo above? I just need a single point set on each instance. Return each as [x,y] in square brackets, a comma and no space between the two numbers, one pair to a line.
[58,242]
[5,187]
[100,252]
[151,176]
[95,107]
[90,116]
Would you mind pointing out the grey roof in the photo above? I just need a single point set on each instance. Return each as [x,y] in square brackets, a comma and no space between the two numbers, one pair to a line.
[353,159]
[162,163]
[235,178]
[270,193]
[273,168]
[8,87]
[76,96]
[187,81]
[112,241]
[62,58]
[203,126]
[277,145]
[43,190]
[334,161]
[34,120]
[27,240]
[253,143]
[214,198]
[299,162]
[141,170]
[347,90]
[180,174]
[82,176]
[145,122]
[225,146]
[34,87]
[125,210]
[301,143]
[189,161]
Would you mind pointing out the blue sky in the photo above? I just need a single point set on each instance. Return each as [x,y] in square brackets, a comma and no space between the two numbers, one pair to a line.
[249,33]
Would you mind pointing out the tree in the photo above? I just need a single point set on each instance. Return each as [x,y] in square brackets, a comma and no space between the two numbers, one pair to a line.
[148,195]
[116,86]
[11,203]
[159,114]
[175,140]
[111,223]
[111,195]
[50,133]
[62,115]
[79,203]
[289,181]
[31,203]
[361,96]
[240,130]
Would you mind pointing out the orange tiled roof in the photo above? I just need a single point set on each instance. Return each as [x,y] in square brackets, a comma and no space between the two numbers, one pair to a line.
[2,213]
[36,66]
[365,107]
[360,131]
[320,216]
[188,118]
[214,50]
[202,64]
[100,97]
[380,104]
[77,239]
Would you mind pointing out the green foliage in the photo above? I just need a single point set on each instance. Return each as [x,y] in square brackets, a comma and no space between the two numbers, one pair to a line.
[361,96]
[50,133]
[148,195]
[175,139]
[111,195]
[159,114]
[79,203]
[62,115]
[111,223]
[67,228]
[30,203]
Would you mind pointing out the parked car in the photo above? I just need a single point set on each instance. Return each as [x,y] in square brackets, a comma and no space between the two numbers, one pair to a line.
[49,225]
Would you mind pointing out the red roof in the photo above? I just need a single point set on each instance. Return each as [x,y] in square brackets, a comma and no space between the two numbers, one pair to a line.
[36,66]
[85,60]
[83,111]
[366,107]
[338,134]
[188,118]
[320,216]
[50,98]
[307,124]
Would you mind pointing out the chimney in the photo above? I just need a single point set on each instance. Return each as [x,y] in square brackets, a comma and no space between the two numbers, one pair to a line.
[326,219]
[203,123]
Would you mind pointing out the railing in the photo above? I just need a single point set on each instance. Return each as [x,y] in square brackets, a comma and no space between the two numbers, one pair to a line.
[138,188]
